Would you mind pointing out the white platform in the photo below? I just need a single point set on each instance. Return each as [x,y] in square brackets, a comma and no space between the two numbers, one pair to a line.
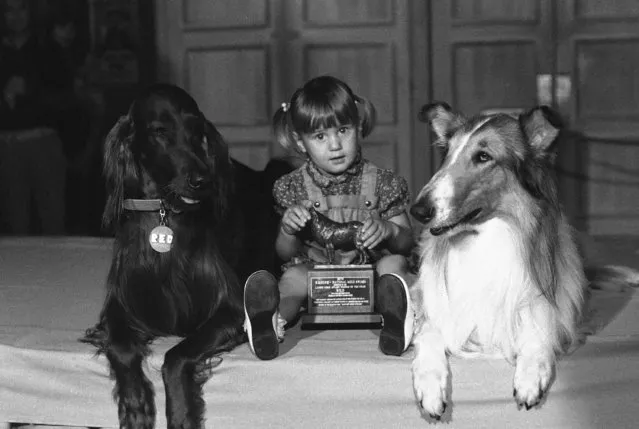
[52,289]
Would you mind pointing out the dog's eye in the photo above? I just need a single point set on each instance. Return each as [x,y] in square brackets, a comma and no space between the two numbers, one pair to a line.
[482,157]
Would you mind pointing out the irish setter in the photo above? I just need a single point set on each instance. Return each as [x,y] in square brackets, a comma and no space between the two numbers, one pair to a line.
[167,166]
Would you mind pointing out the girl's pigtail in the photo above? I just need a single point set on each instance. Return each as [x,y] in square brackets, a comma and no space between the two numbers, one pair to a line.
[367,115]
[281,128]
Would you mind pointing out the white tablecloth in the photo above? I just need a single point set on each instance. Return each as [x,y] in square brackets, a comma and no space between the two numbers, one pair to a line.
[52,289]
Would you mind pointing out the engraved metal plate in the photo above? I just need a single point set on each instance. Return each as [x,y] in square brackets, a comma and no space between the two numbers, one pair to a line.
[341,294]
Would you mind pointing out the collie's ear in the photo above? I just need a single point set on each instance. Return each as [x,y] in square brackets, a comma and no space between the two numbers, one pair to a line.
[442,119]
[119,167]
[541,127]
[217,152]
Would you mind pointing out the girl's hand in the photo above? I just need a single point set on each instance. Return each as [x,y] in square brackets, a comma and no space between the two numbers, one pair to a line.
[294,219]
[374,231]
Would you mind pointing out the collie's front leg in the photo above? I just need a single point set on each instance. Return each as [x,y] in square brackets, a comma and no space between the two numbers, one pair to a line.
[430,370]
[535,363]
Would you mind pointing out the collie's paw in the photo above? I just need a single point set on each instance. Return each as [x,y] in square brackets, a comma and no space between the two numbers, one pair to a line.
[430,392]
[532,378]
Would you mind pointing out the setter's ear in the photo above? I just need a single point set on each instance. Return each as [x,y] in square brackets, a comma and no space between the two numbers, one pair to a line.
[119,167]
[217,152]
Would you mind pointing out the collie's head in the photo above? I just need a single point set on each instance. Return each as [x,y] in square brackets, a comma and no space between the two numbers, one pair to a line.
[495,165]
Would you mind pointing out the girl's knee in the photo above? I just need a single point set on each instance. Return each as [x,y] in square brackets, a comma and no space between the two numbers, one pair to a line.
[392,264]
[293,282]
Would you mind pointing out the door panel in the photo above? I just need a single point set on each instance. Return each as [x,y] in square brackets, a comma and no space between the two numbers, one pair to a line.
[223,53]
[366,44]
[584,55]
[490,75]
[605,76]
[204,14]
[597,9]
[599,50]
[242,59]
[221,73]
[327,13]
[495,11]
[487,54]
[355,61]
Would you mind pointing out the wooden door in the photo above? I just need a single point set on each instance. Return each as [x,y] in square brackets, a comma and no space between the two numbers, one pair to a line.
[225,54]
[242,58]
[487,54]
[598,59]
[500,56]
[366,44]
[581,56]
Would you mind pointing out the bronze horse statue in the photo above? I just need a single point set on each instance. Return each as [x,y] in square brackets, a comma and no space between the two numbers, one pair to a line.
[337,235]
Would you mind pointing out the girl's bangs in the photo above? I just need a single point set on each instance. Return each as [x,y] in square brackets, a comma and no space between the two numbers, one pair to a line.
[314,116]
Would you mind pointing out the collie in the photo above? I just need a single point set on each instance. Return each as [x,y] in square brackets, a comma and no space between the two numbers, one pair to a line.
[499,271]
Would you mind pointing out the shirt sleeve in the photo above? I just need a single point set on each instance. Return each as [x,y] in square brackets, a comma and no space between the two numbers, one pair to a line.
[394,197]
[287,191]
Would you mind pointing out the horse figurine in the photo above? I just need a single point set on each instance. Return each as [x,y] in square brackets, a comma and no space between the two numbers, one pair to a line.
[337,235]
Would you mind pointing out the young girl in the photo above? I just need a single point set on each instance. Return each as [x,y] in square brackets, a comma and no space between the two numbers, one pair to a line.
[324,121]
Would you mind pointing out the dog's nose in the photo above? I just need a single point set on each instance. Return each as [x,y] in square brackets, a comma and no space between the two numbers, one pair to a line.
[196,181]
[423,211]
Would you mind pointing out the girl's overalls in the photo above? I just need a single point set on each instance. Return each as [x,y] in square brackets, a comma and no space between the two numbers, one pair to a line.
[342,208]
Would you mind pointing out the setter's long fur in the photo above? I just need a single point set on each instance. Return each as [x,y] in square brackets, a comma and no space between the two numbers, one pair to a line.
[165,149]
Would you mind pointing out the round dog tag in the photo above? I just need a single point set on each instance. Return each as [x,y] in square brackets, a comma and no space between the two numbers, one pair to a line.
[161,238]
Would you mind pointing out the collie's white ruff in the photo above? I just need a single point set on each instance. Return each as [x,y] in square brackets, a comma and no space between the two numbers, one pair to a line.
[478,296]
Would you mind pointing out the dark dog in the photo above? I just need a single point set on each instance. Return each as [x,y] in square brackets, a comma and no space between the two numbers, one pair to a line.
[165,164]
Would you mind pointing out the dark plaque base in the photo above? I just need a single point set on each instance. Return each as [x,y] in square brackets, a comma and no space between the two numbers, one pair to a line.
[341,294]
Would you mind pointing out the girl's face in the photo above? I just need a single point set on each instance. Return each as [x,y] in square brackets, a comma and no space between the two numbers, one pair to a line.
[332,150]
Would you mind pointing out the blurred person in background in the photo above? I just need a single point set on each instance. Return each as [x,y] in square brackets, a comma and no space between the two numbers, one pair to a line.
[78,108]
[32,162]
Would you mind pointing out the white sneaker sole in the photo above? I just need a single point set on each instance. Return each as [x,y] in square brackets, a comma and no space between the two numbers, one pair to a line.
[398,319]
[261,299]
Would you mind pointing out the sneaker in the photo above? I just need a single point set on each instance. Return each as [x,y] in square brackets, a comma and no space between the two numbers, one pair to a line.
[392,301]
[261,299]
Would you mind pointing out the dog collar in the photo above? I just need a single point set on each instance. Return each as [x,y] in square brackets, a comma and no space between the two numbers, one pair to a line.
[161,237]
[154,205]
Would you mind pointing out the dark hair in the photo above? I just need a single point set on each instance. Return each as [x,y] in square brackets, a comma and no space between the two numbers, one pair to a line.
[323,102]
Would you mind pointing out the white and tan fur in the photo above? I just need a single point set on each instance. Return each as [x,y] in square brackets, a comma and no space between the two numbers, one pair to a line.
[499,270]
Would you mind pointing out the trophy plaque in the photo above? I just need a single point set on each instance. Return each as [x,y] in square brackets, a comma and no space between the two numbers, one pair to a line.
[341,294]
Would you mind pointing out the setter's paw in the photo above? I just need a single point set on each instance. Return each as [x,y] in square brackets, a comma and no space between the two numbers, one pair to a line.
[204,369]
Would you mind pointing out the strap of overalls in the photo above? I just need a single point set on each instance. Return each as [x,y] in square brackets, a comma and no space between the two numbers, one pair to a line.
[365,200]
[342,208]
